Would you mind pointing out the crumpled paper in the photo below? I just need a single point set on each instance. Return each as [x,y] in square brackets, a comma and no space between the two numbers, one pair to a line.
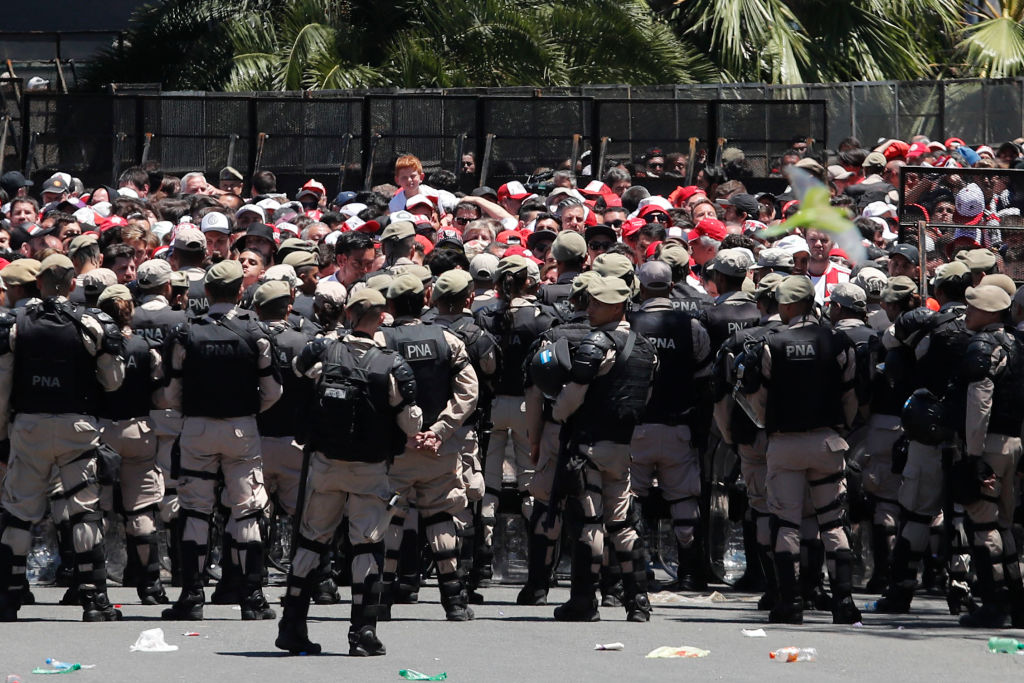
[152,641]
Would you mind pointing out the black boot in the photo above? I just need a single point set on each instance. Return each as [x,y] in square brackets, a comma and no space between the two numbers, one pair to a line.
[325,592]
[880,576]
[771,593]
[538,573]
[582,605]
[753,579]
[897,599]
[189,606]
[790,607]
[292,631]
[483,563]
[93,590]
[150,589]
[66,546]
[453,597]
[253,603]
[407,591]
[690,576]
[994,599]
[812,579]
[844,611]
[636,602]
[11,566]
[229,588]
[362,633]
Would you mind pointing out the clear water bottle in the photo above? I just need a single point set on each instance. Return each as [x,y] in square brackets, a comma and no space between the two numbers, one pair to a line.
[794,654]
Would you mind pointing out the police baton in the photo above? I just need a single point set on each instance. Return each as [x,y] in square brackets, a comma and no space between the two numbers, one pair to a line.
[300,501]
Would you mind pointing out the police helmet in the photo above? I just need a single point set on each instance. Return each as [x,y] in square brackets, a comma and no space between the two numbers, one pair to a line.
[924,419]
[549,369]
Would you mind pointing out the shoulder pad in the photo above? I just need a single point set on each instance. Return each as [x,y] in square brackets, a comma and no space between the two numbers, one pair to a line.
[7,321]
[404,378]
[977,361]
[912,322]
[588,357]
[310,354]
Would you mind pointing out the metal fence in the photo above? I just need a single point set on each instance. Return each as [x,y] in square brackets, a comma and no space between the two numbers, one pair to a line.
[93,135]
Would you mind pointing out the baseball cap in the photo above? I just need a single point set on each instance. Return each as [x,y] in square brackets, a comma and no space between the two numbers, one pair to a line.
[281,271]
[56,262]
[655,275]
[80,242]
[153,273]
[898,288]
[793,289]
[743,202]
[537,236]
[485,191]
[767,284]
[582,281]
[949,271]
[367,296]
[224,273]
[988,298]
[231,173]
[12,181]
[850,296]
[907,251]
[613,265]
[837,172]
[215,222]
[298,259]
[773,257]
[793,245]
[513,190]
[20,272]
[252,208]
[449,239]
[451,282]
[95,280]
[598,231]
[569,245]
[874,159]
[511,264]
[675,255]
[733,262]
[55,185]
[119,292]
[271,291]
[872,281]
[483,267]
[405,284]
[189,239]
[977,260]
[344,198]
[1004,282]
[609,290]
[710,227]
[331,292]
[398,230]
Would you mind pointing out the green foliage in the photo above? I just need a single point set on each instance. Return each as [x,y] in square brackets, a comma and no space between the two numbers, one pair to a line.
[338,44]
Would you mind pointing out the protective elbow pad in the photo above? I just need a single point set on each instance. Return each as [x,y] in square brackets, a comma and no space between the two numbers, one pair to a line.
[589,356]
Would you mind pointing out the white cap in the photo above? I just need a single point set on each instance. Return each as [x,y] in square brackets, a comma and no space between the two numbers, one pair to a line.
[161,228]
[252,208]
[268,205]
[127,192]
[351,209]
[793,244]
[332,237]
[879,209]
[483,266]
[215,222]
[281,271]
[85,216]
[289,227]
[403,216]
[419,200]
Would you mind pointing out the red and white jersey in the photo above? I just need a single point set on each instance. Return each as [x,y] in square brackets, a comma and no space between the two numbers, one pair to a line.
[827,281]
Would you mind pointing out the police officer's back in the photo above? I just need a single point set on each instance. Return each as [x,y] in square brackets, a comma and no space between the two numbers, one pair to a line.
[188,251]
[733,309]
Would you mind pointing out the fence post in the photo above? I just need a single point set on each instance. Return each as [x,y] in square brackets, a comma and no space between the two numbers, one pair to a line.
[254,125]
[140,124]
[366,133]
[480,138]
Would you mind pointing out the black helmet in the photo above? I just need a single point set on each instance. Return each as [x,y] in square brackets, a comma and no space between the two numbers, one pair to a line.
[924,419]
[549,369]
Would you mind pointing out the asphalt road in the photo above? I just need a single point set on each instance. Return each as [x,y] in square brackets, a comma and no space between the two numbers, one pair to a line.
[508,643]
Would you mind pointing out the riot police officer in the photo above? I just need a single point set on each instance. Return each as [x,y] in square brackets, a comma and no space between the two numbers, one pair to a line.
[569,251]
[661,445]
[749,440]
[125,427]
[516,320]
[734,309]
[992,378]
[427,473]
[56,361]
[543,385]
[801,386]
[221,375]
[938,342]
[188,251]
[362,411]
[452,295]
[610,383]
[683,295]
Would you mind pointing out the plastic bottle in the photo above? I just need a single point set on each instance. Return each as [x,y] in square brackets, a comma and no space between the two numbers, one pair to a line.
[1005,645]
[794,654]
[57,664]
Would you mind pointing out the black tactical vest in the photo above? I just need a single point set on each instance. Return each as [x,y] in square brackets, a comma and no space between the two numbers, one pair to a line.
[574,331]
[725,319]
[156,325]
[672,336]
[198,302]
[286,416]
[479,342]
[744,431]
[555,293]
[53,371]
[303,305]
[134,397]
[805,389]
[865,341]
[351,418]
[948,339]
[220,377]
[515,336]
[686,298]
[428,354]
[615,401]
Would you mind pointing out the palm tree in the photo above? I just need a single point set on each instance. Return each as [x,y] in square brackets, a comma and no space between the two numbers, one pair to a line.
[994,47]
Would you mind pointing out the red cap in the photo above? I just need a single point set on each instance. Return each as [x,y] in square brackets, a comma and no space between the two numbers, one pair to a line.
[513,190]
[836,251]
[315,186]
[652,248]
[791,202]
[111,222]
[611,200]
[515,250]
[713,228]
[917,149]
[595,188]
[515,236]
[428,246]
[680,195]
[315,214]
[956,140]
[652,208]
[897,149]
[632,227]
[591,218]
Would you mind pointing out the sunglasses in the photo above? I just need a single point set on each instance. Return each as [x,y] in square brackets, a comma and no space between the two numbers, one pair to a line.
[599,245]
[616,222]
[461,220]
[655,164]
[656,218]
